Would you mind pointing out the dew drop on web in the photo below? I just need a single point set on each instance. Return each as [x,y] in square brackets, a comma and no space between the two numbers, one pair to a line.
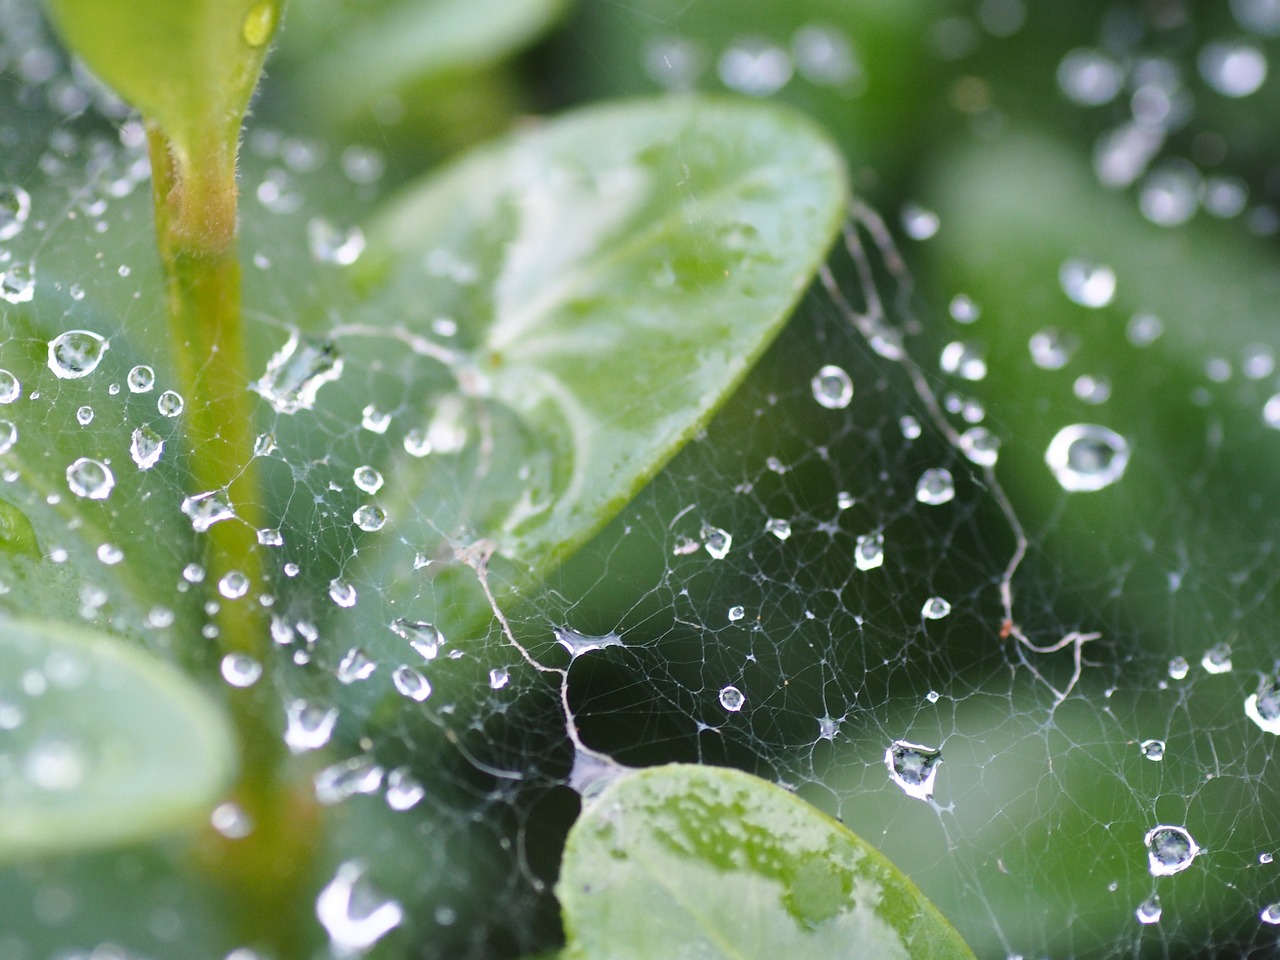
[76,353]
[832,387]
[91,479]
[913,767]
[1087,457]
[935,487]
[296,372]
[1170,850]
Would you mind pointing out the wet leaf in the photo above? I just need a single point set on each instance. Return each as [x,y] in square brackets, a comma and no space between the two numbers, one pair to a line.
[688,860]
[105,743]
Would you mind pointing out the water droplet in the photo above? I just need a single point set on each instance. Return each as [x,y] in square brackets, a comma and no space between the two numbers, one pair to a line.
[240,670]
[1270,914]
[369,518]
[499,677]
[206,509]
[265,444]
[1178,668]
[425,638]
[368,479]
[18,283]
[355,666]
[342,593]
[233,585]
[1217,659]
[15,207]
[1265,858]
[1170,850]
[736,614]
[259,23]
[109,554]
[403,791]
[170,403]
[824,56]
[8,435]
[779,528]
[1170,194]
[1089,78]
[963,309]
[84,416]
[1050,350]
[1149,910]
[963,360]
[716,542]
[732,699]
[145,448]
[353,914]
[1263,707]
[913,767]
[1153,749]
[10,388]
[1088,284]
[193,573]
[55,764]
[296,373]
[232,822]
[754,67]
[868,552]
[91,479]
[359,775]
[832,387]
[980,446]
[416,443]
[76,353]
[935,487]
[1091,389]
[141,379]
[935,608]
[330,244]
[1086,457]
[411,683]
[579,643]
[308,726]
[270,537]
[375,420]
[1232,69]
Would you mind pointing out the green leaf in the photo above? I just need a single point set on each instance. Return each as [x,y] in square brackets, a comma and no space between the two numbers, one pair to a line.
[710,862]
[106,744]
[17,537]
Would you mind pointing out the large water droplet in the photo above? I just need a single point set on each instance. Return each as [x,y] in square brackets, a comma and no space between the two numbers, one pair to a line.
[141,379]
[354,914]
[91,479]
[832,387]
[76,353]
[296,373]
[18,283]
[1263,707]
[1170,850]
[411,683]
[369,518]
[206,509]
[367,479]
[913,767]
[935,487]
[732,699]
[1085,456]
[868,551]
[15,207]
[308,726]
[1088,284]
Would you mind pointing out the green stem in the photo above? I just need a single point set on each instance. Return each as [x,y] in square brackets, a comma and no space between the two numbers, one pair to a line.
[195,206]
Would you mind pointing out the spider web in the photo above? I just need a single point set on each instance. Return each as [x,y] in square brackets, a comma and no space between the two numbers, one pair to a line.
[799,593]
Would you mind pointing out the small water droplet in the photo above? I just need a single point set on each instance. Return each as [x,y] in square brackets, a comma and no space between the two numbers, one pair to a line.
[1153,749]
[1170,850]
[368,479]
[206,509]
[10,388]
[1091,389]
[330,244]
[353,914]
[425,638]
[342,593]
[1217,659]
[1263,707]
[411,683]
[308,726]
[732,699]
[193,573]
[935,608]
[716,542]
[109,554]
[416,443]
[76,353]
[375,420]
[1149,910]
[779,528]
[919,223]
[980,446]
[1265,858]
[15,207]
[832,387]
[270,537]
[1086,457]
[964,360]
[230,820]
[935,487]
[84,416]
[913,767]
[910,427]
[233,585]
[18,283]
[8,435]
[403,791]
[355,666]
[1088,284]
[145,447]
[369,518]
[91,479]
[963,309]
[296,373]
[868,552]
[170,403]
[1270,914]
[736,614]
[359,775]
[499,677]
[1050,349]
[240,670]
[141,379]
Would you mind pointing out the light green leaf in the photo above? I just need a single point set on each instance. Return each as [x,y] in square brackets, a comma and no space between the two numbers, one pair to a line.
[105,744]
[710,862]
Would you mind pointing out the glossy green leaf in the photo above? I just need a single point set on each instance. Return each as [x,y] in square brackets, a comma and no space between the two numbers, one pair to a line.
[711,862]
[104,743]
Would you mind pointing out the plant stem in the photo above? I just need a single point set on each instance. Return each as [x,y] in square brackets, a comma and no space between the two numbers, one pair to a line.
[195,204]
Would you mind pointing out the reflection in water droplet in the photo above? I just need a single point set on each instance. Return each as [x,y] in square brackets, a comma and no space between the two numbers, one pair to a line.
[411,683]
[367,479]
[353,914]
[1088,284]
[91,479]
[233,585]
[868,551]
[980,446]
[1270,914]
[259,23]
[935,487]
[913,767]
[170,403]
[1149,910]
[732,699]
[308,726]
[375,420]
[779,528]
[342,593]
[1086,457]
[403,791]
[1170,850]
[736,614]
[296,373]
[84,416]
[141,379]
[1263,707]
[832,387]
[935,608]
[423,637]
[354,666]
[1217,659]
[499,677]
[15,207]
[240,670]
[76,353]
[1153,749]
[369,518]
[206,509]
